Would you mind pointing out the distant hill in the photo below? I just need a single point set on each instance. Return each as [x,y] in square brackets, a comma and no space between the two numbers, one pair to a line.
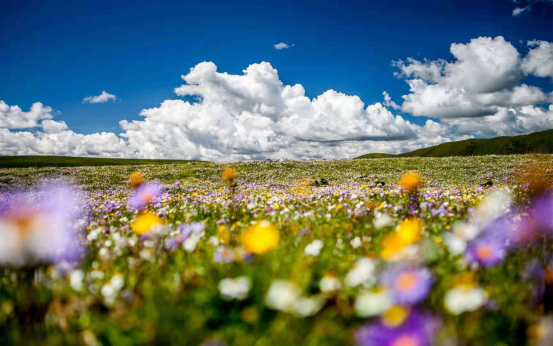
[68,161]
[537,142]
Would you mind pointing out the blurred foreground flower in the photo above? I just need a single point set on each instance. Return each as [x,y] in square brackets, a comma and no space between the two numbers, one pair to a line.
[144,195]
[407,233]
[373,302]
[229,174]
[410,181]
[144,223]
[408,285]
[237,288]
[465,297]
[136,179]
[260,238]
[361,273]
[41,226]
[412,329]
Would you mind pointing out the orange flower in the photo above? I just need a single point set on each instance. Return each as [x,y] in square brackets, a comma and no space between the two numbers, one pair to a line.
[136,179]
[410,181]
[229,173]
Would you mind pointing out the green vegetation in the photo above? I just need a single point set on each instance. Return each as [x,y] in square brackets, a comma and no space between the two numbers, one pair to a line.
[69,161]
[534,143]
[177,269]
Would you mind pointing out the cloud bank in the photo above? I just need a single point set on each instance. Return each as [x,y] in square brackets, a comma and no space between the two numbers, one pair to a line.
[254,115]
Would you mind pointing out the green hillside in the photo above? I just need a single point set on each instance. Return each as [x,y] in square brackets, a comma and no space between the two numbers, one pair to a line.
[537,142]
[68,161]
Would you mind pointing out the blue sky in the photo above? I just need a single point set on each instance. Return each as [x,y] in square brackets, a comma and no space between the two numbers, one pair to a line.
[59,52]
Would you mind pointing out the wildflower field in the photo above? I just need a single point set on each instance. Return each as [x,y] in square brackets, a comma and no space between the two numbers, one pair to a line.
[403,252]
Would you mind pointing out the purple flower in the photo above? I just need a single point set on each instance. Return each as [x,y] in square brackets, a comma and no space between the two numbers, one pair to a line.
[416,330]
[144,195]
[40,226]
[186,230]
[542,213]
[409,285]
[487,251]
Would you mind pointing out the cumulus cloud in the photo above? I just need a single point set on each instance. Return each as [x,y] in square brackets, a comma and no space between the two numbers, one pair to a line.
[484,78]
[247,116]
[506,122]
[254,115]
[539,60]
[282,45]
[102,98]
[518,10]
[12,117]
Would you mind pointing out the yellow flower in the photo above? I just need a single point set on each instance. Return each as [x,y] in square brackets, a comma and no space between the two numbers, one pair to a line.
[261,237]
[410,180]
[136,179]
[145,222]
[395,316]
[406,233]
[229,173]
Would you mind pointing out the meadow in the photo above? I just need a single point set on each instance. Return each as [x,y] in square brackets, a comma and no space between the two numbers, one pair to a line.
[391,251]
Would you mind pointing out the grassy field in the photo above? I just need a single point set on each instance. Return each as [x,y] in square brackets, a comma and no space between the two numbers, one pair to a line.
[537,143]
[297,253]
[69,161]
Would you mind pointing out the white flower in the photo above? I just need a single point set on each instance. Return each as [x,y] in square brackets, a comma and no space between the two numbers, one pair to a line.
[356,242]
[76,280]
[463,298]
[308,306]
[381,221]
[237,288]
[314,248]
[361,273]
[455,244]
[492,207]
[329,284]
[372,303]
[282,295]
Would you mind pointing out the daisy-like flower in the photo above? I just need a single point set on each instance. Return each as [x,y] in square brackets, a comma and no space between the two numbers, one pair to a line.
[465,297]
[361,273]
[408,285]
[236,288]
[373,302]
[314,248]
[282,295]
[144,195]
[417,329]
[486,251]
[41,226]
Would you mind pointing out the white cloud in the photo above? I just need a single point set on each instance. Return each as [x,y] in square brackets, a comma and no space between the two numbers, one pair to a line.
[484,78]
[51,126]
[12,117]
[282,45]
[102,98]
[539,60]
[518,10]
[388,102]
[254,115]
[248,116]
[506,122]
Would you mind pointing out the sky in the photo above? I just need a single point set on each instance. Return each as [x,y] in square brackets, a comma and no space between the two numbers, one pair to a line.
[95,78]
